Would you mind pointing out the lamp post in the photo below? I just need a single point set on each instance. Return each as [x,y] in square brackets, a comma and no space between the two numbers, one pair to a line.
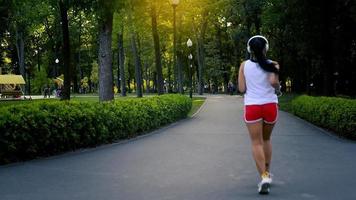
[55,68]
[174,5]
[28,80]
[190,57]
[37,52]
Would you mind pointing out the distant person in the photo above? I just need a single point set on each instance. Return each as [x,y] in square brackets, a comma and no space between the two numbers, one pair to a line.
[49,91]
[59,91]
[289,85]
[116,90]
[258,79]
[230,88]
[46,91]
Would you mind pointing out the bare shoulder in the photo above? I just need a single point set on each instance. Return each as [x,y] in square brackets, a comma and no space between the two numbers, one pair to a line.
[242,65]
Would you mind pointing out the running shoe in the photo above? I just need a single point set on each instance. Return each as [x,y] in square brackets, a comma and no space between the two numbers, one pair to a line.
[270,178]
[264,185]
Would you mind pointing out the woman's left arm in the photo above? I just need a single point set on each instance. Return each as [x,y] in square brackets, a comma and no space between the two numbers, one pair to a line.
[241,79]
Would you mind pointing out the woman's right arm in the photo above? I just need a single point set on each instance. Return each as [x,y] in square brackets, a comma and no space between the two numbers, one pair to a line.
[241,79]
[274,78]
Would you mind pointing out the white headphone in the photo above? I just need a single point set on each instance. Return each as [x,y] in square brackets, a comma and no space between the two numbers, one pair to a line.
[257,36]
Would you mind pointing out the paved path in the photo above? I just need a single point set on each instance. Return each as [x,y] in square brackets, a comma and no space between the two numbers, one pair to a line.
[207,157]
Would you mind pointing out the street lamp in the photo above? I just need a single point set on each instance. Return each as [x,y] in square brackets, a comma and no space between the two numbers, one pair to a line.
[55,67]
[37,52]
[190,57]
[174,5]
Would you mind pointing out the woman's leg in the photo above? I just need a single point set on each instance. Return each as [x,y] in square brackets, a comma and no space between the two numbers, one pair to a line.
[256,135]
[267,146]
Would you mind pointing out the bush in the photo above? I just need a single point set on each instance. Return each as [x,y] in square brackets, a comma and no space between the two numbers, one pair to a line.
[45,128]
[336,114]
[40,81]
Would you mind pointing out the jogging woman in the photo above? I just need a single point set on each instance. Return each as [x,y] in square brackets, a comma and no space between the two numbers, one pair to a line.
[258,79]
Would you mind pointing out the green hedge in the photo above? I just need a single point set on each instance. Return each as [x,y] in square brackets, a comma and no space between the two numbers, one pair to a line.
[336,114]
[46,128]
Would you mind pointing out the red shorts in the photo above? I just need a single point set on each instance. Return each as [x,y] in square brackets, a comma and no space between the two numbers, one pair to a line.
[266,112]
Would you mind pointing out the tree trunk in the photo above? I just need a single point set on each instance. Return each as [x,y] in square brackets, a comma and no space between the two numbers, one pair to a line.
[201,66]
[76,68]
[175,70]
[200,36]
[20,47]
[106,92]
[221,57]
[122,62]
[56,51]
[54,47]
[157,50]
[170,90]
[180,71]
[136,55]
[63,6]
[138,65]
[180,57]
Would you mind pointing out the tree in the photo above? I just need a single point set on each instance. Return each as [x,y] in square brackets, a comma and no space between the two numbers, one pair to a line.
[157,48]
[36,33]
[138,64]
[4,15]
[63,7]
[4,19]
[105,53]
[121,61]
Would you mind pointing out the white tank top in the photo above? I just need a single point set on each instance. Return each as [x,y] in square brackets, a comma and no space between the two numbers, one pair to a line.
[258,88]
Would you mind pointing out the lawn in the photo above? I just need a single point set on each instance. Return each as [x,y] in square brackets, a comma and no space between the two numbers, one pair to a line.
[75,97]
[197,103]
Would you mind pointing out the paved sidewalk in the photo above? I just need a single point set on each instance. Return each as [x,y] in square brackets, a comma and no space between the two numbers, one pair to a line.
[207,157]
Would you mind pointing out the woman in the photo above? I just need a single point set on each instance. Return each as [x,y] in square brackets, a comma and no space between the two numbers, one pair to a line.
[258,79]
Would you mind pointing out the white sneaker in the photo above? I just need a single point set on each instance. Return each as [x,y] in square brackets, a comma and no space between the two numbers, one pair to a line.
[269,178]
[265,184]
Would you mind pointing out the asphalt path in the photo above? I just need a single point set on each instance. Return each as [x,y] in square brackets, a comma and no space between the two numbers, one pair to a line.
[207,157]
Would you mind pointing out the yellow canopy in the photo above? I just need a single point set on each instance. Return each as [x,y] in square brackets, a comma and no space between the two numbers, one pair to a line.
[11,79]
[58,81]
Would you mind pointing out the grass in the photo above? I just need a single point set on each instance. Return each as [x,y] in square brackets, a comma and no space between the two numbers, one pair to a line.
[75,97]
[197,103]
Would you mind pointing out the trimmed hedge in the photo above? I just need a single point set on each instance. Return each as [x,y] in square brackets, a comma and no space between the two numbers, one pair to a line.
[333,113]
[46,128]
